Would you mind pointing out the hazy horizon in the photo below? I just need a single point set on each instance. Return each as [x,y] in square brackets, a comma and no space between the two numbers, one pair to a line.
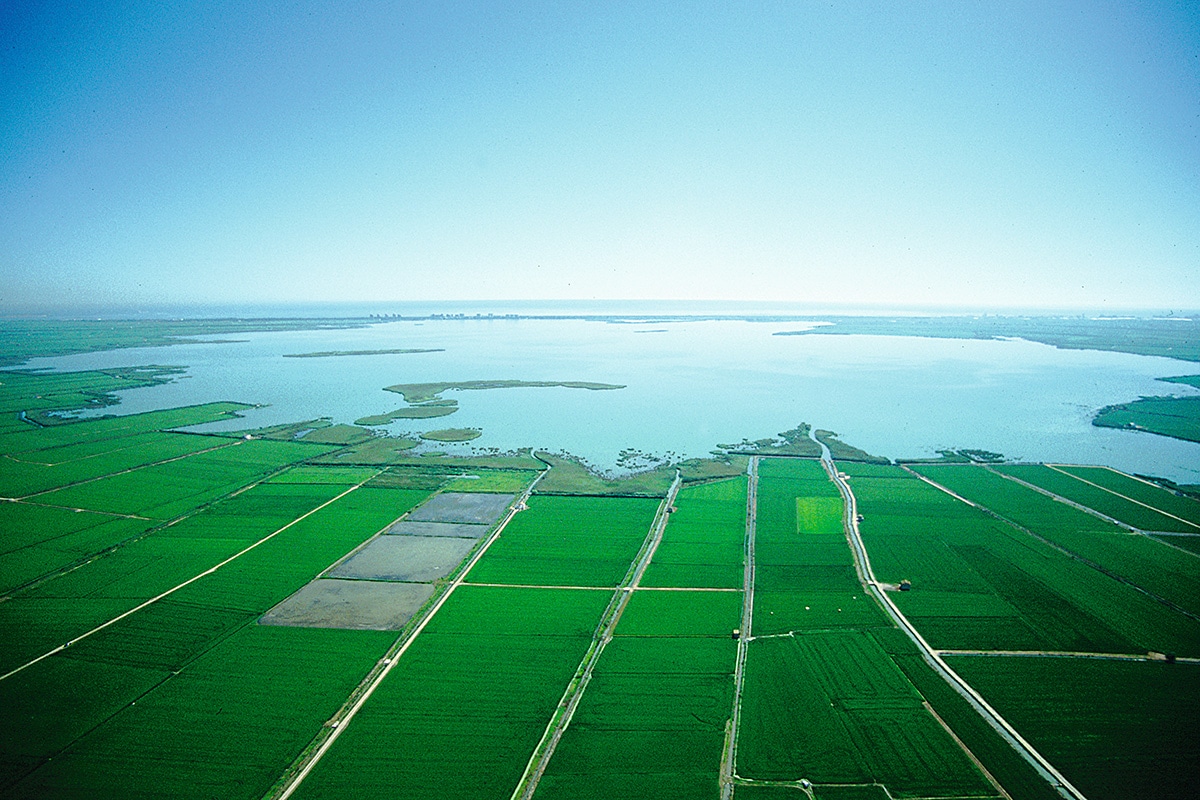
[633,308]
[930,155]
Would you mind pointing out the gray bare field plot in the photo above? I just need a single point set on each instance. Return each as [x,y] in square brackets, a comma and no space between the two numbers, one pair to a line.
[475,507]
[404,558]
[460,530]
[358,605]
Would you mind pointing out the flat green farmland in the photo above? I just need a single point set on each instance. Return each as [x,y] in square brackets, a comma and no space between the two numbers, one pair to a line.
[266,575]
[653,612]
[1142,491]
[42,470]
[1189,543]
[503,481]
[864,792]
[45,709]
[464,707]
[1000,759]
[342,476]
[45,616]
[1097,499]
[167,637]
[651,723]
[1145,562]
[31,439]
[1114,729]
[568,541]
[36,540]
[914,531]
[164,491]
[833,708]
[652,720]
[225,726]
[704,542]
[174,630]
[1009,499]
[796,497]
[781,612]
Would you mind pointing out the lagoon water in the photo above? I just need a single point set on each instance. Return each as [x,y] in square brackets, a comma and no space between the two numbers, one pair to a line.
[689,386]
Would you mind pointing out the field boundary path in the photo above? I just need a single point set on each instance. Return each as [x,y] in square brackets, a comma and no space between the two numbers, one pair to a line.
[1062,548]
[1068,501]
[729,759]
[316,750]
[161,526]
[1064,654]
[188,582]
[1058,468]
[125,471]
[560,720]
[931,656]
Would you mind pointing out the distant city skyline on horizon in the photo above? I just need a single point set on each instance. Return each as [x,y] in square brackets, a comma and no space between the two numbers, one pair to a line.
[931,156]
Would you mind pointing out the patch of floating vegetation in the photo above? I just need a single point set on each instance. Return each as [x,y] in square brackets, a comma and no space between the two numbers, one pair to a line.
[412,412]
[795,442]
[422,393]
[845,452]
[339,353]
[452,435]
[318,431]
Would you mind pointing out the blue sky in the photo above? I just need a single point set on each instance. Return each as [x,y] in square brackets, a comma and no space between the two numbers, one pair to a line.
[966,155]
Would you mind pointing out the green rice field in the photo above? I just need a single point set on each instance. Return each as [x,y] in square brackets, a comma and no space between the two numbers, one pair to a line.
[1143,562]
[1118,729]
[568,541]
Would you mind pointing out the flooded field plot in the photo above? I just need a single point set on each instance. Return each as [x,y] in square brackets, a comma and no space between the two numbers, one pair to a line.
[454,529]
[404,558]
[358,605]
[464,507]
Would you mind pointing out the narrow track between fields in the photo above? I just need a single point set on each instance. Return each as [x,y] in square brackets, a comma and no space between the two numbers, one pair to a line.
[128,470]
[729,757]
[1188,522]
[931,656]
[300,770]
[561,718]
[1069,553]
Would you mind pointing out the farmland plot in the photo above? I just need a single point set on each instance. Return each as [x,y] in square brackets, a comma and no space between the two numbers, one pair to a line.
[438,725]
[1115,729]
[1140,490]
[1142,561]
[568,541]
[163,642]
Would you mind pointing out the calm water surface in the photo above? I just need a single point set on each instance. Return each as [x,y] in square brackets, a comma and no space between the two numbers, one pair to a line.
[689,386]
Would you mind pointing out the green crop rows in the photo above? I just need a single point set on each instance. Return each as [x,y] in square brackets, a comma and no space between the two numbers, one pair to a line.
[823,700]
[652,723]
[1143,492]
[568,541]
[1118,729]
[833,708]
[440,726]
[703,544]
[1143,561]
[1097,499]
[979,583]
